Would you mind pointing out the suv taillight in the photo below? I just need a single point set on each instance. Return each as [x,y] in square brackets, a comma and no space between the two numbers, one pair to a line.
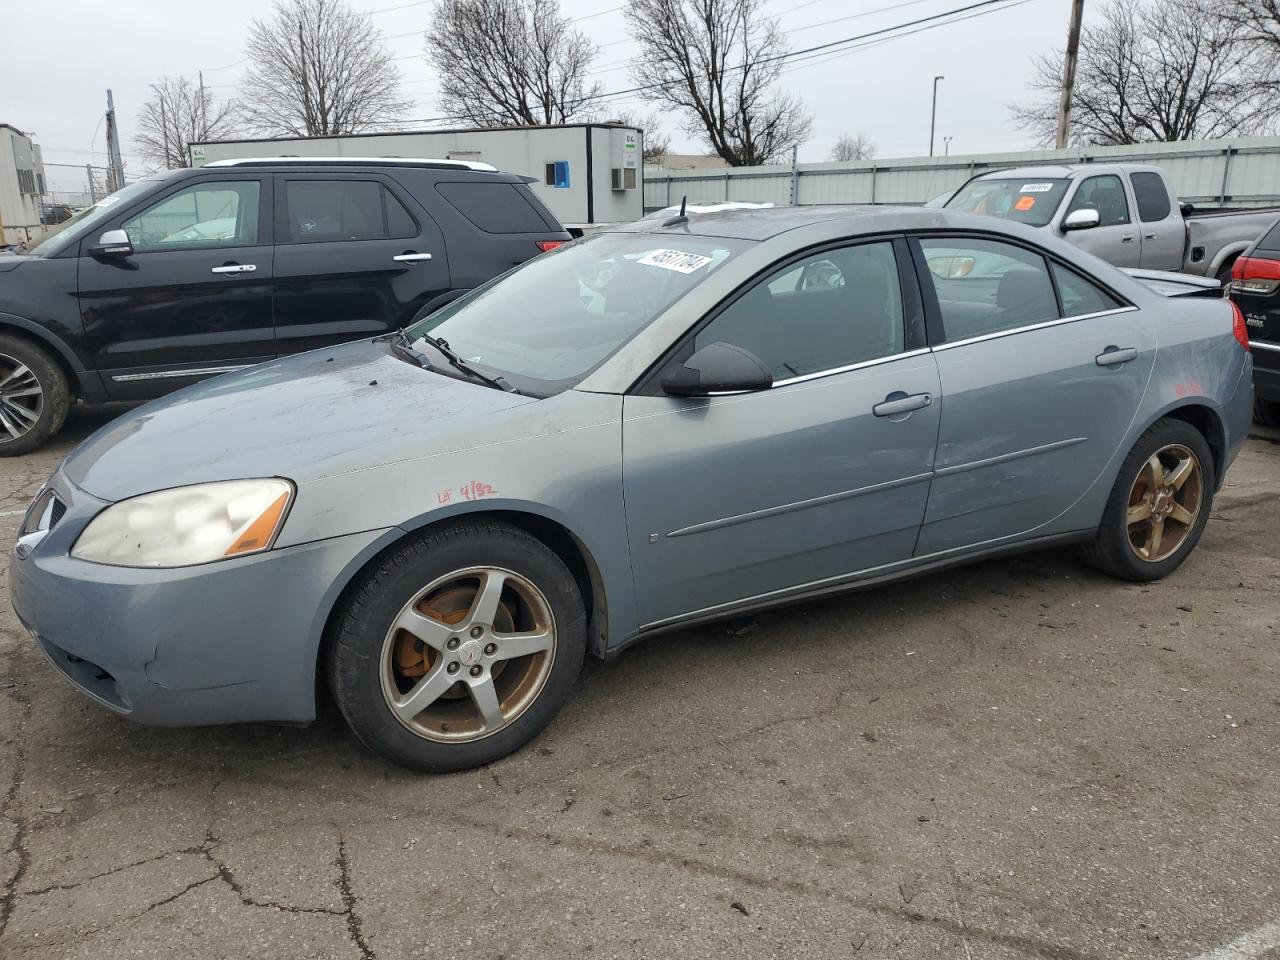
[1238,326]
[545,245]
[1256,275]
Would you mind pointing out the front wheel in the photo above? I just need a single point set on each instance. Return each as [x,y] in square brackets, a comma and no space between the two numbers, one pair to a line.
[458,647]
[34,396]
[1159,505]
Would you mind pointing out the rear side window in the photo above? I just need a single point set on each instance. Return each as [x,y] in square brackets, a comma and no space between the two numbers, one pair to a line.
[318,211]
[985,286]
[1153,199]
[1080,296]
[494,207]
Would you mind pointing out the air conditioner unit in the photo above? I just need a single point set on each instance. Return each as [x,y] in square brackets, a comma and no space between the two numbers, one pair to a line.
[622,178]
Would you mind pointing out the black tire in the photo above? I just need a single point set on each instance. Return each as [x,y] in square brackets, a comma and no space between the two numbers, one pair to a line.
[15,413]
[1224,273]
[1266,412]
[355,654]
[1112,551]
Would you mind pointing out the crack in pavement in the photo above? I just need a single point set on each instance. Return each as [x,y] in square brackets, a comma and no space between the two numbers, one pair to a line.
[18,845]
[355,926]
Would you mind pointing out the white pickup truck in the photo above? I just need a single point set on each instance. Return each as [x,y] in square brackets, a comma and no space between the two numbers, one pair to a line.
[1124,213]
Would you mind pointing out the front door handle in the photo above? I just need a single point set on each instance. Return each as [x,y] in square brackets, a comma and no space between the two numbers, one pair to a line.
[411,257]
[898,403]
[236,268]
[1127,238]
[1148,236]
[1115,355]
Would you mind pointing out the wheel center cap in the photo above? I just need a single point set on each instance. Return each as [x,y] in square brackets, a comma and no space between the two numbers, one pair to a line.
[470,653]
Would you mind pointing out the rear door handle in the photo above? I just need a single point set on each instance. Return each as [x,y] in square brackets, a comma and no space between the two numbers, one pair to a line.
[1127,238]
[899,402]
[236,268]
[1148,236]
[1114,355]
[411,257]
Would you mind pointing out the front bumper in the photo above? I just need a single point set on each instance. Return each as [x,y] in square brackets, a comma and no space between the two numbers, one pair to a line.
[222,642]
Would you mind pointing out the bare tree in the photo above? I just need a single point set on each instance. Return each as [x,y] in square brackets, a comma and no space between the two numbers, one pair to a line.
[510,62]
[855,147]
[1156,70]
[318,68]
[717,62]
[175,117]
[656,140]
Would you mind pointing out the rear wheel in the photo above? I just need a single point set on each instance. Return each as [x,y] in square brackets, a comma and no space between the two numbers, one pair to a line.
[459,647]
[1159,505]
[34,396]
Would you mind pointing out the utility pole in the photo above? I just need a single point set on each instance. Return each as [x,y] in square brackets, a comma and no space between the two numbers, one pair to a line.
[113,147]
[1069,74]
[93,194]
[933,114]
[164,132]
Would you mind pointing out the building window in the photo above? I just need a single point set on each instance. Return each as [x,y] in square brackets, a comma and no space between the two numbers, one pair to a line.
[558,174]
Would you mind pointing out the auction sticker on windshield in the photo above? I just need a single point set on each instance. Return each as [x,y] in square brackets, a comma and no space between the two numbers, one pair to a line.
[1036,188]
[676,260]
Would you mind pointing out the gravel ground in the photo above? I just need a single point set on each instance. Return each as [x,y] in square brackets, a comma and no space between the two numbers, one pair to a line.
[1017,759]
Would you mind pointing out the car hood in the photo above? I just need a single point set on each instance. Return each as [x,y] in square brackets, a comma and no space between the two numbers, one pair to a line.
[11,261]
[304,417]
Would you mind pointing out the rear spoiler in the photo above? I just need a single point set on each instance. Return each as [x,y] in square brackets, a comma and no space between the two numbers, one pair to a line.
[1176,284]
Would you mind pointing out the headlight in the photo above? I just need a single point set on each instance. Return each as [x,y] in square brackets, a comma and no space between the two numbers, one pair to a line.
[188,525]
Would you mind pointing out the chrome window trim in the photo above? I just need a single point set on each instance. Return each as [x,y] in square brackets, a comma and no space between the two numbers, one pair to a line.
[860,365]
[167,374]
[1262,345]
[1031,326]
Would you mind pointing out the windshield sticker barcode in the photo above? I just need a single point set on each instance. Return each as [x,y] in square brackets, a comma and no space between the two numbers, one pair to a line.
[1036,188]
[676,260]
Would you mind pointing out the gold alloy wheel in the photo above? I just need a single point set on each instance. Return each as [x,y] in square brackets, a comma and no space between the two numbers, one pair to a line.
[1164,503]
[468,655]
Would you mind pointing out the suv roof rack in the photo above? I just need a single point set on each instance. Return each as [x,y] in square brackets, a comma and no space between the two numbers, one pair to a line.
[353,161]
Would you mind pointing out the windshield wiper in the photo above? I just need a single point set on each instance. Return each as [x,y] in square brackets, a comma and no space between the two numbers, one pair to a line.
[498,383]
[403,348]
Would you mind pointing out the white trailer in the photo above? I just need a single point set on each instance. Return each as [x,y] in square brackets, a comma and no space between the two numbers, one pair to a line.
[587,173]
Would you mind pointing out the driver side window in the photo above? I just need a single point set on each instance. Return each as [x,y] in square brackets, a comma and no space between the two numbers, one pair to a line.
[216,214]
[1105,194]
[830,310]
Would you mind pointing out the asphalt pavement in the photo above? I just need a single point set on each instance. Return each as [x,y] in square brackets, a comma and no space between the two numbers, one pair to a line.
[1021,758]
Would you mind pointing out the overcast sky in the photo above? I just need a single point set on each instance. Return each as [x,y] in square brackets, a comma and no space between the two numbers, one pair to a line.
[61,55]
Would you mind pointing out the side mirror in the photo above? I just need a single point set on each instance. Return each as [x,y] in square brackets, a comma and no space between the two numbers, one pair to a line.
[718,368]
[1084,219]
[113,243]
[1186,207]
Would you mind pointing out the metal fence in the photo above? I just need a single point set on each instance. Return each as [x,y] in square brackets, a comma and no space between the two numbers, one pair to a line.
[1243,172]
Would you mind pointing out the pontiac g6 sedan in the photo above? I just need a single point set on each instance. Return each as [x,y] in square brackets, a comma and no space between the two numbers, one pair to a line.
[676,421]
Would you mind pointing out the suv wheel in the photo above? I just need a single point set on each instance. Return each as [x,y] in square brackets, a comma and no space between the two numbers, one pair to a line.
[458,647]
[34,396]
[1158,506]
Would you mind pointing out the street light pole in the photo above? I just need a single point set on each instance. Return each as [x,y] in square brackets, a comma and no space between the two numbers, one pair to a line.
[933,114]
[946,146]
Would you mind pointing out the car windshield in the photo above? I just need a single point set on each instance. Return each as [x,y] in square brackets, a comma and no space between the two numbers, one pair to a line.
[53,241]
[1028,200]
[546,324]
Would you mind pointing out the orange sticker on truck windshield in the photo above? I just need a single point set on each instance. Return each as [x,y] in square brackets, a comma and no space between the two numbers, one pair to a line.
[1025,203]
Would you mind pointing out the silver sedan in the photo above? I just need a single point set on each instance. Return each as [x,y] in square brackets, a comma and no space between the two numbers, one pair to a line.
[653,427]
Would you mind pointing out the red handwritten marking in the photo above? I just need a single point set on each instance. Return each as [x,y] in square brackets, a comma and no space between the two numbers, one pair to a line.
[444,496]
[475,489]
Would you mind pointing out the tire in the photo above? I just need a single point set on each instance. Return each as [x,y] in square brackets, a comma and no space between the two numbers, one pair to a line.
[1266,412]
[1224,273]
[435,583]
[1120,543]
[28,420]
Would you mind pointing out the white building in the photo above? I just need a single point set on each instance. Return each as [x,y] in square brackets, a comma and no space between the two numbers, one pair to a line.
[586,173]
[21,186]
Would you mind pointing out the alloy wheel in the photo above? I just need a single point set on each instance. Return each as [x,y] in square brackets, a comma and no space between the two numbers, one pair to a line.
[1164,502]
[21,399]
[468,655]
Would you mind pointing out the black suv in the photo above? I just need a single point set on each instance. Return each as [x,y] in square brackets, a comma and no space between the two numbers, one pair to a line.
[1255,287]
[198,272]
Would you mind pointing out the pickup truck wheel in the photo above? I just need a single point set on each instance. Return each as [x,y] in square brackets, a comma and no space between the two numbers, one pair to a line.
[1266,412]
[1158,506]
[458,647]
[34,396]
[1224,273]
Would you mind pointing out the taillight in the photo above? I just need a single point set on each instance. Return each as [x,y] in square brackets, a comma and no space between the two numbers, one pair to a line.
[1255,275]
[1238,326]
[545,245]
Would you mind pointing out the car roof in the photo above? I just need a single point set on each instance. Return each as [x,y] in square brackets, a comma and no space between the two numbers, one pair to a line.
[768,222]
[353,162]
